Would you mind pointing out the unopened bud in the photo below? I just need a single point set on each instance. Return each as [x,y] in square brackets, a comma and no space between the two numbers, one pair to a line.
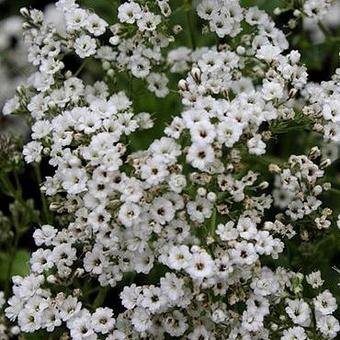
[26,26]
[110,73]
[68,74]
[264,185]
[51,279]
[116,29]
[196,74]
[240,50]
[177,29]
[327,212]
[114,40]
[51,104]
[297,13]
[317,190]
[183,85]
[201,191]
[277,11]
[325,163]
[292,23]
[274,168]
[314,153]
[24,12]
[211,196]
[327,186]
[165,8]
[292,93]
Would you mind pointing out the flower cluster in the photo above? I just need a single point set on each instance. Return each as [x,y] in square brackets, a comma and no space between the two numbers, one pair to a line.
[137,43]
[184,229]
[13,64]
[323,107]
[224,16]
[298,189]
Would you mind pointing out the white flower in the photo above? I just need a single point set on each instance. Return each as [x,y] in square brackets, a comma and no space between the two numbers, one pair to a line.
[314,279]
[200,155]
[328,325]
[256,145]
[32,152]
[202,132]
[268,52]
[158,84]
[140,66]
[96,25]
[177,183]
[41,129]
[129,12]
[85,46]
[227,232]
[179,257]
[130,295]
[294,333]
[162,210]
[45,235]
[200,266]
[102,320]
[200,209]
[325,303]
[129,214]
[243,253]
[153,299]
[141,319]
[154,171]
[272,90]
[299,312]
[148,21]
[229,132]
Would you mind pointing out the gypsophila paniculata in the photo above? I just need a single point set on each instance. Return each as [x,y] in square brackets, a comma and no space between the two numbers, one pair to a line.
[189,204]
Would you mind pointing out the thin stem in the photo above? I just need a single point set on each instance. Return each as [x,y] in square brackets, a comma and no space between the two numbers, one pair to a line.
[46,213]
[16,193]
[81,68]
[12,254]
[325,30]
[190,25]
[100,297]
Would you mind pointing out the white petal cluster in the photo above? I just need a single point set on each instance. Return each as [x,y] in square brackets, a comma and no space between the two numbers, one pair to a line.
[181,231]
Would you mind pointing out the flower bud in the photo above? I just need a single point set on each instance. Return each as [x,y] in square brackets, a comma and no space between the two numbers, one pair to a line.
[177,29]
[24,12]
[297,13]
[327,186]
[201,191]
[68,74]
[110,73]
[314,153]
[263,185]
[211,196]
[196,74]
[274,168]
[114,40]
[325,163]
[51,279]
[277,11]
[183,85]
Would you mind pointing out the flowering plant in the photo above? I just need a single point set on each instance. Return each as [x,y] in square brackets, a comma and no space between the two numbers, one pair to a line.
[198,230]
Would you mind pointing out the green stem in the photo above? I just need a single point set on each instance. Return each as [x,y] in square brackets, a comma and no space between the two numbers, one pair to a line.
[213,222]
[81,67]
[100,297]
[190,25]
[46,213]
[12,254]
[325,30]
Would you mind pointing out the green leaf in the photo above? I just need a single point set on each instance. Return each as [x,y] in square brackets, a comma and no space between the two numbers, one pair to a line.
[20,264]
